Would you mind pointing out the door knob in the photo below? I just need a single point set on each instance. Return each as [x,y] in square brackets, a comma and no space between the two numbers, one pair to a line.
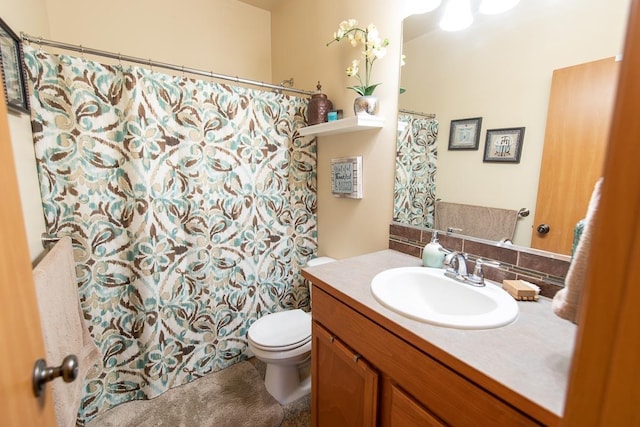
[543,229]
[42,374]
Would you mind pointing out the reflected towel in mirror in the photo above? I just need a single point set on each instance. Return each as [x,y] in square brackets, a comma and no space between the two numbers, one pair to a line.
[476,221]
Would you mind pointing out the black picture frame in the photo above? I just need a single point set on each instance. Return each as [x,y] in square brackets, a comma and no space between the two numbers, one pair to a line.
[13,75]
[504,145]
[464,134]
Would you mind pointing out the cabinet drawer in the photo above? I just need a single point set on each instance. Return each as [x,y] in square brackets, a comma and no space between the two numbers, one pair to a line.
[448,395]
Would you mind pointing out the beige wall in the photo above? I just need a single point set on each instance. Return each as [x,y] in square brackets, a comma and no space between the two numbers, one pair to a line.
[301,28]
[234,38]
[500,69]
[27,16]
[224,36]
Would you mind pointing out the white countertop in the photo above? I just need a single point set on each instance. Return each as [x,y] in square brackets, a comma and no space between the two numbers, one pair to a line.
[531,356]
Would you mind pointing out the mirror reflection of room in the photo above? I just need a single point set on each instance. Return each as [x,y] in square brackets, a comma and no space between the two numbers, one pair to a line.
[501,69]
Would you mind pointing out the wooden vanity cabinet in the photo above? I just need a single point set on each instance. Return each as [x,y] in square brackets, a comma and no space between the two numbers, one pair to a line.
[364,375]
[345,385]
[402,410]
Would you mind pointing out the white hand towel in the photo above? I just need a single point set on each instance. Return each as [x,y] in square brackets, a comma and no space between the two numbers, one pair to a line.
[566,303]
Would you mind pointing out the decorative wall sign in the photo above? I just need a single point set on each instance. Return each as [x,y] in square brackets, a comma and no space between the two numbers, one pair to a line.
[346,177]
[465,134]
[504,145]
[11,59]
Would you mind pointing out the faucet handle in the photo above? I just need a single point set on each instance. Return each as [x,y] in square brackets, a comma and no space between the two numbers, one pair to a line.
[489,262]
[445,251]
[477,277]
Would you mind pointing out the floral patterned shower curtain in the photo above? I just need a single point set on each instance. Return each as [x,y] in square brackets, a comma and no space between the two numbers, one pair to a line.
[416,161]
[191,206]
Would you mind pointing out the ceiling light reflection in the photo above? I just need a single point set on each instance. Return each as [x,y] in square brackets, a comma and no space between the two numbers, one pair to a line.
[457,15]
[493,7]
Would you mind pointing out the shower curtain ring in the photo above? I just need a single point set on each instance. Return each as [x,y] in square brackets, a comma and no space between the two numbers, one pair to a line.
[183,71]
[81,52]
[119,59]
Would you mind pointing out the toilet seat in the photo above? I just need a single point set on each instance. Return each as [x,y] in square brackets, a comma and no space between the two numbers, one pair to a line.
[281,348]
[281,331]
[284,357]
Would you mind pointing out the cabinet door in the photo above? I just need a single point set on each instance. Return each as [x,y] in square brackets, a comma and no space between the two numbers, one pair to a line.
[344,389]
[406,412]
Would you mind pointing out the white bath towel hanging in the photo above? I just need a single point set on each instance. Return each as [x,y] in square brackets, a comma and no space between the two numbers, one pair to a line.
[63,327]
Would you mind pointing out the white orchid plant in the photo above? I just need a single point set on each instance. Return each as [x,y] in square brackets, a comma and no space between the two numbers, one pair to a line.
[374,48]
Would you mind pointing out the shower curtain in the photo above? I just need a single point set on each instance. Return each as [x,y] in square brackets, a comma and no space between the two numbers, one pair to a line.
[415,180]
[191,205]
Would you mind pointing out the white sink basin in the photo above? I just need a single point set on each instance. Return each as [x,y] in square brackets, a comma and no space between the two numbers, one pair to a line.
[427,295]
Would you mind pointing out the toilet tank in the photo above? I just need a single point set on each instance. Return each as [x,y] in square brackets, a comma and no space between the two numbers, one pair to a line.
[312,263]
[319,261]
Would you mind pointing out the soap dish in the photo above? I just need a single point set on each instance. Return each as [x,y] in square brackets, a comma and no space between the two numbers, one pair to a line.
[521,290]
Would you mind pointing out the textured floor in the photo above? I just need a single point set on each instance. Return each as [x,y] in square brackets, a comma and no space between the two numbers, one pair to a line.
[246,402]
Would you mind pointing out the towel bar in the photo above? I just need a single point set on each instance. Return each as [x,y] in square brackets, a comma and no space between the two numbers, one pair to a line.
[48,240]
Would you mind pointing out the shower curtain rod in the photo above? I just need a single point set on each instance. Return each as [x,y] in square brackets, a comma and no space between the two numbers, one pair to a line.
[418,113]
[150,63]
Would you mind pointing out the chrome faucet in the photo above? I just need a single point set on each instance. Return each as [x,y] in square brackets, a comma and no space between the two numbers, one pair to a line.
[456,263]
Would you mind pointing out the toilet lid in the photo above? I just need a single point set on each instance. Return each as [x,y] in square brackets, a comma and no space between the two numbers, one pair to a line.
[290,328]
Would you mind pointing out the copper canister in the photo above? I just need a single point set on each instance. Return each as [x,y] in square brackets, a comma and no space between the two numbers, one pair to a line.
[319,106]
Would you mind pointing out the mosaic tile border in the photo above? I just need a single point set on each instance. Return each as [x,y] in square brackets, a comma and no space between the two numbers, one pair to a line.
[545,269]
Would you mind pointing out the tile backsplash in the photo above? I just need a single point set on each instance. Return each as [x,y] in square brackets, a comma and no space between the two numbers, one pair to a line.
[545,269]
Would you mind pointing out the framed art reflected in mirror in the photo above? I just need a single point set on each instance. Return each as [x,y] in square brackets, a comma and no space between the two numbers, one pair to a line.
[504,145]
[13,80]
[465,134]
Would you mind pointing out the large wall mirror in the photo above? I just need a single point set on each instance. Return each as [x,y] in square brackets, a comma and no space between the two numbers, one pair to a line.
[500,69]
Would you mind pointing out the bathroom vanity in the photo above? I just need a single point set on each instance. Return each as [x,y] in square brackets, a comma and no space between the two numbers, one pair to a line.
[372,366]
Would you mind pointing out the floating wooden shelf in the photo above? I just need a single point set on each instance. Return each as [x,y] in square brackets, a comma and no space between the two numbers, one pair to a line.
[349,124]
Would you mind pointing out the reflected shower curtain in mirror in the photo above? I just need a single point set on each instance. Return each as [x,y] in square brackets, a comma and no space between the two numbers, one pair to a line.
[415,179]
[191,205]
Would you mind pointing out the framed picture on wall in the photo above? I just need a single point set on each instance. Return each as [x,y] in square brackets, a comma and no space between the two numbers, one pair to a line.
[465,134]
[13,76]
[346,177]
[504,145]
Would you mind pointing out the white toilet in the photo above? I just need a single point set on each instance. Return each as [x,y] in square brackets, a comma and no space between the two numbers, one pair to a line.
[282,340]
